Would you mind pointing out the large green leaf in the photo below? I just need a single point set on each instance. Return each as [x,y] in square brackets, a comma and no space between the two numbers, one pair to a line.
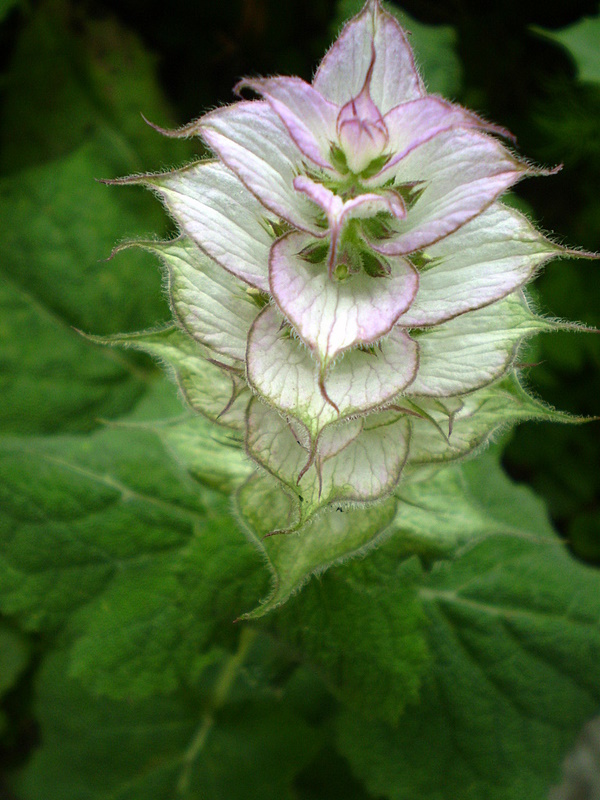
[50,377]
[515,643]
[361,627]
[59,224]
[219,740]
[108,537]
[59,227]
[440,511]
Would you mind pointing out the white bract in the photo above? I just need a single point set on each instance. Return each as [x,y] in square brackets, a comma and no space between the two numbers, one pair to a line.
[348,274]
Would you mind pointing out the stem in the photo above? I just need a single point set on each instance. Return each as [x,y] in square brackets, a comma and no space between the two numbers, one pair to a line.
[220,694]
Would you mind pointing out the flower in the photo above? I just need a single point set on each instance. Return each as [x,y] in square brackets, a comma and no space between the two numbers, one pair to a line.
[347,269]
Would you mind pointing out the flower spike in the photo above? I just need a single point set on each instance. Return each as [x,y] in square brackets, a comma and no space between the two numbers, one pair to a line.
[347,283]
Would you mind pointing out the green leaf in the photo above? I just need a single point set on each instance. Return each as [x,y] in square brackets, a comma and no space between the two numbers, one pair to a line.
[361,627]
[327,539]
[581,40]
[60,225]
[159,624]
[515,642]
[109,539]
[440,511]
[50,377]
[217,740]
[75,511]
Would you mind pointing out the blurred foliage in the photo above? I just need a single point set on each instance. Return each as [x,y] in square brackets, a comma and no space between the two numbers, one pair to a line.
[581,40]
[91,515]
